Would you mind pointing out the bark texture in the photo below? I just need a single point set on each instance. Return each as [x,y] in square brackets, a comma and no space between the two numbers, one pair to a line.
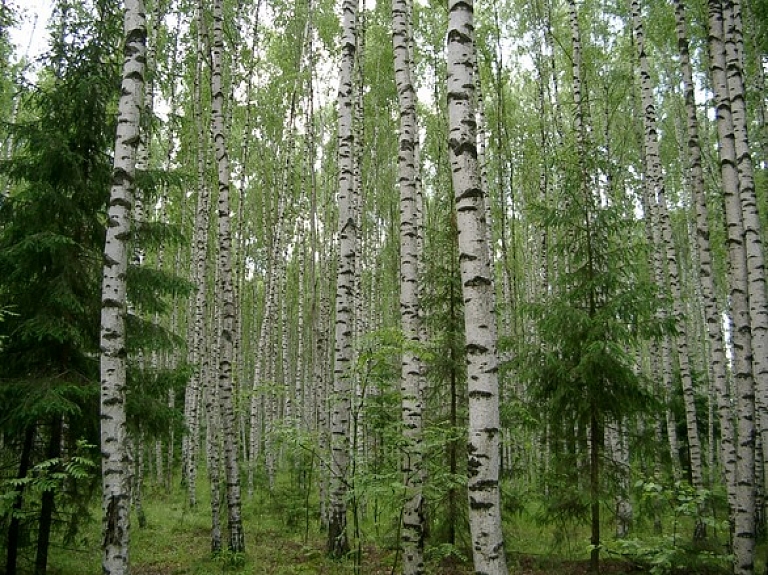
[743,504]
[657,194]
[114,444]
[338,543]
[412,534]
[225,289]
[712,315]
[483,447]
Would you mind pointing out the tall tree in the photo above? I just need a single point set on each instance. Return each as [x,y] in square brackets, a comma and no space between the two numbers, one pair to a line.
[743,507]
[338,542]
[657,195]
[115,458]
[225,289]
[484,443]
[411,365]
[706,271]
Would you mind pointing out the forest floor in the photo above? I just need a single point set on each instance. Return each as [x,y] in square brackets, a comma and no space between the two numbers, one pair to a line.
[282,539]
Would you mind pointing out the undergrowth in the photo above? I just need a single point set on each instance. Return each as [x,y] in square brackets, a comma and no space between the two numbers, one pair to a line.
[283,537]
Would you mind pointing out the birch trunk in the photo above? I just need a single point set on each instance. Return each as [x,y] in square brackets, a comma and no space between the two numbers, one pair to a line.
[413,524]
[225,291]
[753,235]
[338,544]
[477,288]
[743,507]
[660,352]
[212,440]
[658,194]
[115,457]
[718,361]
[196,333]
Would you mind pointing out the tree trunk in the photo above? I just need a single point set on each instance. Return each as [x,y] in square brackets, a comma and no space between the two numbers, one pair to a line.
[137,491]
[412,533]
[212,442]
[338,543]
[115,458]
[753,235]
[225,291]
[743,507]
[657,191]
[14,525]
[596,441]
[196,333]
[718,361]
[477,288]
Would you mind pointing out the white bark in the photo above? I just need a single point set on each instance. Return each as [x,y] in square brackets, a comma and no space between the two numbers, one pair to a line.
[225,291]
[413,521]
[212,440]
[753,235]
[345,289]
[655,180]
[718,361]
[743,506]
[477,288]
[115,457]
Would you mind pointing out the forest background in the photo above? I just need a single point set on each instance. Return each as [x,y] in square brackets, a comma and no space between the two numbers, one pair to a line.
[400,284]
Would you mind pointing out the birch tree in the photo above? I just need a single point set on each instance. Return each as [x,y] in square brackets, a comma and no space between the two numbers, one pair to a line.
[196,333]
[706,273]
[225,289]
[657,194]
[338,544]
[743,507]
[115,457]
[411,365]
[483,446]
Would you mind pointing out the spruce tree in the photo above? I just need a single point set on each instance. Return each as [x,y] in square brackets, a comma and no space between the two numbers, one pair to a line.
[51,236]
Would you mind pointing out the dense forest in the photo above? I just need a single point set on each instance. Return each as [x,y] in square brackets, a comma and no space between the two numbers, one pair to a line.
[410,287]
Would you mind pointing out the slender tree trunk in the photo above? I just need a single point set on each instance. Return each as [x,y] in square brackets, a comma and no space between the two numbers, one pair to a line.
[596,441]
[412,533]
[196,333]
[477,288]
[14,525]
[225,291]
[212,441]
[743,506]
[115,458]
[617,440]
[718,361]
[658,195]
[338,543]
[137,491]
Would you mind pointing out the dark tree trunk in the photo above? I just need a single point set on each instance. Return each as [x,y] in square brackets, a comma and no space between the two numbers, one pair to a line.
[452,447]
[14,529]
[596,433]
[338,542]
[47,504]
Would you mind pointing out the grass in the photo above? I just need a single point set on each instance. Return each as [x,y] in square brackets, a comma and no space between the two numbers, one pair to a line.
[280,541]
[176,541]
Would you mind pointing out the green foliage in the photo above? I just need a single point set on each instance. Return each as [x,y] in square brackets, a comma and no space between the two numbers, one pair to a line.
[52,225]
[230,561]
[48,396]
[51,475]
[590,327]
[71,478]
[147,409]
[671,552]
[147,285]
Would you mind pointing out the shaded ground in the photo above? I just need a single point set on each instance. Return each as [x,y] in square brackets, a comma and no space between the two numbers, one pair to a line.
[529,565]
[293,557]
